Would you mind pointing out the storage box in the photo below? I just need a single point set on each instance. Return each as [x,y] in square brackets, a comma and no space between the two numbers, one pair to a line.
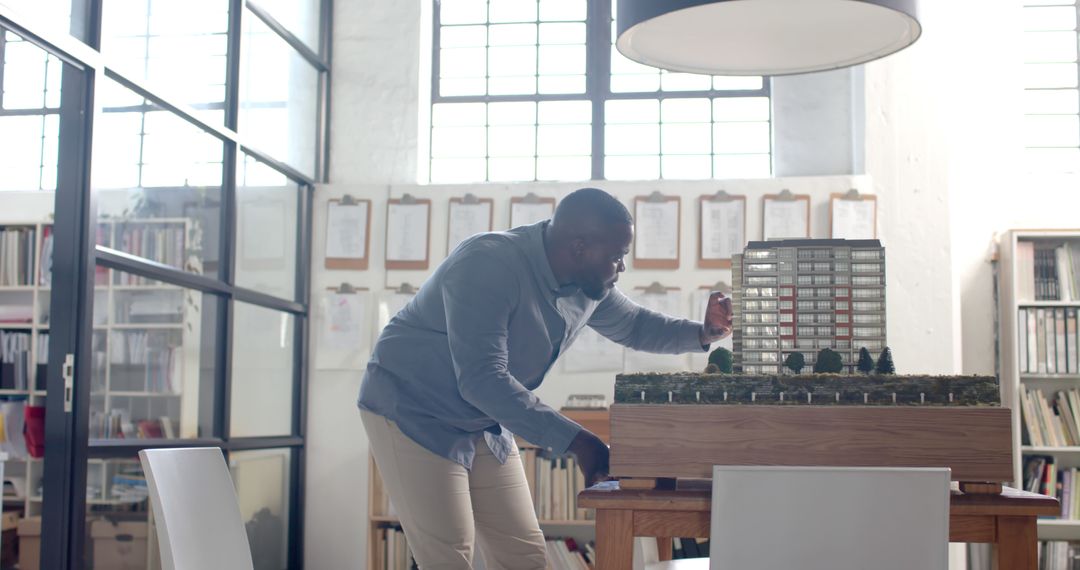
[30,543]
[119,545]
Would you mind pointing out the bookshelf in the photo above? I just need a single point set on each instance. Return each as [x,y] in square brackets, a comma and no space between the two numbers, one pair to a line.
[136,387]
[1039,345]
[551,513]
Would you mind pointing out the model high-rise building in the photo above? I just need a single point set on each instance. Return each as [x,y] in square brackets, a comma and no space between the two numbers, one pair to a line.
[802,295]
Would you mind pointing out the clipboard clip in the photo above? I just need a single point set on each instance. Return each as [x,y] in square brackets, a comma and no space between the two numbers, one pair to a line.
[655,197]
[722,287]
[656,289]
[470,198]
[530,198]
[408,199]
[852,194]
[405,289]
[344,289]
[348,200]
[721,196]
[785,195]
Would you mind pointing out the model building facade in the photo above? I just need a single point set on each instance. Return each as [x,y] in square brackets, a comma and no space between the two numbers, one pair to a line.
[803,295]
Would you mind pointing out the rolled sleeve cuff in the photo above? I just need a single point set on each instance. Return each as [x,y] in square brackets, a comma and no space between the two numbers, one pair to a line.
[689,336]
[560,433]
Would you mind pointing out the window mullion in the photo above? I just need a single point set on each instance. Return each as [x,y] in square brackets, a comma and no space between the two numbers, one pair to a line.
[598,75]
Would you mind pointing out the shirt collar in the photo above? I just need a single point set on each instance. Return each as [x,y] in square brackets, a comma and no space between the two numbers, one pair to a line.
[540,265]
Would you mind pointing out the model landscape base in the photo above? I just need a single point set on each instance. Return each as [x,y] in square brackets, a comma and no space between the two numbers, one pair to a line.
[669,426]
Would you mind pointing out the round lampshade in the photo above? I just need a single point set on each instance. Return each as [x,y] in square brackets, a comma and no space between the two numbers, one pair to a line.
[763,37]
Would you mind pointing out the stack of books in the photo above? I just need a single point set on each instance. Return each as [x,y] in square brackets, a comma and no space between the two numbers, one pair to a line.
[17,256]
[1048,343]
[1051,418]
[1048,272]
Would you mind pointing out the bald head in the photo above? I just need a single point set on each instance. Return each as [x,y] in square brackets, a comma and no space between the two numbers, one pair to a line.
[587,239]
[589,211]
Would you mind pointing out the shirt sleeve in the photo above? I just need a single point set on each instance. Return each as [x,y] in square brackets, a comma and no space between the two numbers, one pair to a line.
[629,324]
[480,296]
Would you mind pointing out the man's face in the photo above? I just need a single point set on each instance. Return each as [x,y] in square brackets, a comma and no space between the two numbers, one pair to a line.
[601,262]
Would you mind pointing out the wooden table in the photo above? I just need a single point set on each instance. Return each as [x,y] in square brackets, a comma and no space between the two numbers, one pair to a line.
[1006,520]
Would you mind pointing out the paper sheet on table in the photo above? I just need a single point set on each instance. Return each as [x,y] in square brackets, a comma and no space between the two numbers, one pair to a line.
[656,230]
[669,303]
[699,299]
[591,352]
[346,230]
[786,219]
[344,331]
[524,213]
[407,232]
[853,219]
[722,231]
[467,220]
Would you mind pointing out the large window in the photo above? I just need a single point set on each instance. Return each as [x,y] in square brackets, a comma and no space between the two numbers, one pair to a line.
[192,180]
[535,90]
[1051,103]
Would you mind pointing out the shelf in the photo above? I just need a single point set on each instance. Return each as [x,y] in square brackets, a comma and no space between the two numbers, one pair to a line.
[136,393]
[148,326]
[1044,377]
[1038,304]
[1059,523]
[1048,450]
[27,288]
[13,392]
[147,288]
[551,522]
[586,523]
[16,326]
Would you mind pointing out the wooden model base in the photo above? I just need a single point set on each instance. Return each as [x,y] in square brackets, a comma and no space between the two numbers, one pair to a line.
[672,441]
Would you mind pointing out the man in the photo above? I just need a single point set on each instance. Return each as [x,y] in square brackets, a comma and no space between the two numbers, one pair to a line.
[451,377]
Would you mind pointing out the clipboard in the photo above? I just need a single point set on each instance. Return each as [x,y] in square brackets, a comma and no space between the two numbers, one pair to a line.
[783,196]
[358,263]
[468,199]
[529,198]
[668,300]
[391,301]
[342,332]
[409,200]
[643,262]
[853,195]
[718,262]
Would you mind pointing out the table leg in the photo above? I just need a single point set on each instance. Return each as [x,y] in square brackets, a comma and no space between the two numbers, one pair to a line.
[614,539]
[663,547]
[1017,544]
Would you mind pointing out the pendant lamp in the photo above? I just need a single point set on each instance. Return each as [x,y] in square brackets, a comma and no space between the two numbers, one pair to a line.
[763,37]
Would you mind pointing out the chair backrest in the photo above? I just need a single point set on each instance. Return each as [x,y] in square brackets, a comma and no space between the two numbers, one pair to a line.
[829,518]
[196,511]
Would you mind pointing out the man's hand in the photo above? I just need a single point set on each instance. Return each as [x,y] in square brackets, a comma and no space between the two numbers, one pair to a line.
[718,317]
[592,456]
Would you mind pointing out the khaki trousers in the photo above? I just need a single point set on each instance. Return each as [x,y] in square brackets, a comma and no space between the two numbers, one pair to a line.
[444,508]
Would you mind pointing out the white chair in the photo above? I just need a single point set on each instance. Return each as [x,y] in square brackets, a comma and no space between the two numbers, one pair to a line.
[826,518]
[196,511]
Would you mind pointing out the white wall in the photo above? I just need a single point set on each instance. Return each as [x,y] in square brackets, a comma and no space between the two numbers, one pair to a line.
[379,96]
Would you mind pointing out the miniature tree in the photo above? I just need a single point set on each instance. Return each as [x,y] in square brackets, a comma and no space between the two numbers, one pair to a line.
[723,359]
[828,360]
[885,363]
[795,361]
[866,362]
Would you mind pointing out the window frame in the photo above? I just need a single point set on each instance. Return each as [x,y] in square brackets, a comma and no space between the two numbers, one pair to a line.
[598,46]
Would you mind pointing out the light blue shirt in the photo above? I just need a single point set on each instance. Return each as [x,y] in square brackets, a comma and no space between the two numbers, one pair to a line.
[460,361]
